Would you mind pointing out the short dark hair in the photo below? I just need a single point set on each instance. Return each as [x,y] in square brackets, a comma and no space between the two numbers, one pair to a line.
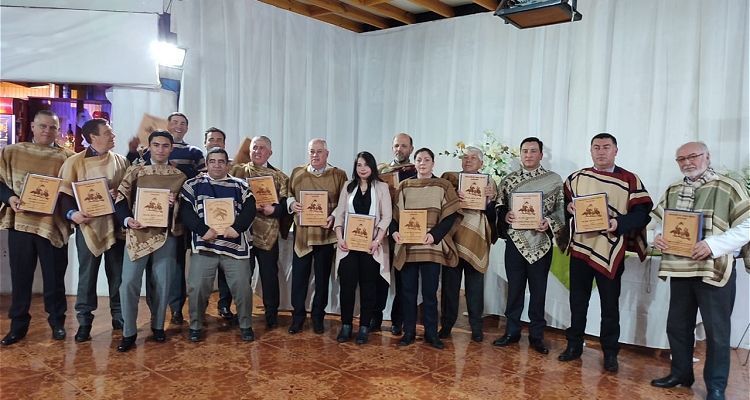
[604,135]
[160,133]
[218,150]
[91,127]
[45,112]
[432,155]
[370,160]
[178,114]
[533,139]
[214,129]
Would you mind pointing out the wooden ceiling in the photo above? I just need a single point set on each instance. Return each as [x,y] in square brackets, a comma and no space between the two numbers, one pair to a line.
[371,15]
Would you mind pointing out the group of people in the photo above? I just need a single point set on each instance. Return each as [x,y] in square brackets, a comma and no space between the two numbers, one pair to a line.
[456,244]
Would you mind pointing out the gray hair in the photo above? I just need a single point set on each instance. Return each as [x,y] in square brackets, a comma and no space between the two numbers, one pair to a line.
[325,145]
[703,145]
[475,149]
[264,138]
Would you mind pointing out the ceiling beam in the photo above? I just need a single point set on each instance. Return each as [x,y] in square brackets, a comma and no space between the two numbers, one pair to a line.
[393,12]
[342,22]
[371,2]
[316,11]
[290,5]
[436,7]
[351,12]
[488,4]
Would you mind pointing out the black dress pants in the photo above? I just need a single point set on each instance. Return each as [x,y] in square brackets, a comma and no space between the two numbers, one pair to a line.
[582,277]
[358,269]
[320,259]
[450,293]
[687,296]
[268,267]
[410,274]
[23,250]
[519,272]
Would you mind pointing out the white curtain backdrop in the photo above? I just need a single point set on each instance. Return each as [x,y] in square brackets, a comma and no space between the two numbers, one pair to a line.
[252,69]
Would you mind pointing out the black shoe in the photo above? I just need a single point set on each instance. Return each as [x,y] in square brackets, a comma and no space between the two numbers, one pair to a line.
[247,334]
[570,353]
[177,318]
[83,334]
[477,336]
[126,343]
[345,334]
[226,313]
[318,327]
[538,345]
[671,381]
[295,328]
[272,322]
[376,325]
[407,339]
[715,395]
[444,333]
[506,340]
[397,329]
[159,335]
[12,338]
[58,332]
[194,335]
[363,335]
[116,325]
[610,363]
[434,342]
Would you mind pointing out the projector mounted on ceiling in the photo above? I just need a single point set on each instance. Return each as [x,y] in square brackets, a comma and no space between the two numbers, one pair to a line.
[533,13]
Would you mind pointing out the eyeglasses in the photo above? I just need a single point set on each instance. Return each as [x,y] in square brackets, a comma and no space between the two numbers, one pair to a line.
[690,158]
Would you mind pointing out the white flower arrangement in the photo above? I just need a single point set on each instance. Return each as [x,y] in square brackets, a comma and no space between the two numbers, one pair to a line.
[498,157]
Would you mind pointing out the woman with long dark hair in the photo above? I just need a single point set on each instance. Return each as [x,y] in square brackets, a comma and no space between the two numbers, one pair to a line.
[364,194]
[438,198]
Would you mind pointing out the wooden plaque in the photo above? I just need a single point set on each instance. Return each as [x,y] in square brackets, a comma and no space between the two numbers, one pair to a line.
[218,214]
[391,178]
[264,190]
[152,207]
[92,197]
[150,123]
[591,213]
[528,209]
[314,207]
[358,232]
[682,230]
[474,188]
[40,193]
[412,225]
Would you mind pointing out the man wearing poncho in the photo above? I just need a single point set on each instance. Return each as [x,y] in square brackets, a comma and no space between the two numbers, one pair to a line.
[228,249]
[144,244]
[600,256]
[96,237]
[313,242]
[33,236]
[707,280]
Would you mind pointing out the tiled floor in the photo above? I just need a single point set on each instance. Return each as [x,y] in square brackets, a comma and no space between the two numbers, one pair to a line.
[310,366]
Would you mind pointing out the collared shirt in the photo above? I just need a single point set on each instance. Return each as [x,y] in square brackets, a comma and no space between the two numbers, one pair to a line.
[317,171]
[612,169]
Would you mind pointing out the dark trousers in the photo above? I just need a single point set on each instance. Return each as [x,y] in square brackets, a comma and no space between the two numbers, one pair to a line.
[383,288]
[687,296]
[320,259]
[358,268]
[23,251]
[450,293]
[582,277]
[519,272]
[88,272]
[430,273]
[268,267]
[177,287]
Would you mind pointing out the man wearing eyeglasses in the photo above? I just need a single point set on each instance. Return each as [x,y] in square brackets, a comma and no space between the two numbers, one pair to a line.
[600,256]
[313,242]
[707,279]
[32,235]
